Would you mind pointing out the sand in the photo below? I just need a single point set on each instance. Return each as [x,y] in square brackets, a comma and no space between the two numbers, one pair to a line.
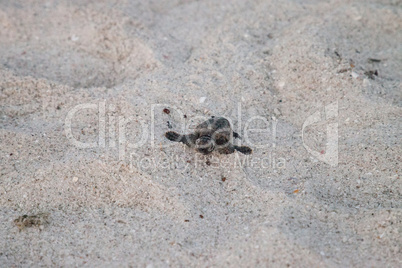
[314,87]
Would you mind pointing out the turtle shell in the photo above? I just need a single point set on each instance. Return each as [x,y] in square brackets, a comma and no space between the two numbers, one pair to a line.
[217,128]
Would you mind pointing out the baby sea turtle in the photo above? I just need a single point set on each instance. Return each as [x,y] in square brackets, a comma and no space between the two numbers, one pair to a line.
[213,134]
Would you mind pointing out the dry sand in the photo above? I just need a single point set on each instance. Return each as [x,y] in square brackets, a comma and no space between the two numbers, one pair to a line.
[160,204]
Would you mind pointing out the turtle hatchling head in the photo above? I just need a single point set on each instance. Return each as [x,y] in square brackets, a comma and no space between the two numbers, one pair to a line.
[205,144]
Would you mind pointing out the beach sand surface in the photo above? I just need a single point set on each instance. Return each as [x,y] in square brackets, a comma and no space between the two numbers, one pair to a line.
[314,87]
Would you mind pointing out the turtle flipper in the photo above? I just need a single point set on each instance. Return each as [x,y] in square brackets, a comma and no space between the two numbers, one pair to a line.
[243,149]
[173,136]
[236,135]
[188,140]
[226,150]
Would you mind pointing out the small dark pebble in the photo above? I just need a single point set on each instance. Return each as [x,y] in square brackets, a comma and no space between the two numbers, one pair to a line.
[201,216]
[166,111]
[186,220]
[343,70]
[169,125]
[371,74]
[208,163]
[185,116]
[223,179]
[374,60]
